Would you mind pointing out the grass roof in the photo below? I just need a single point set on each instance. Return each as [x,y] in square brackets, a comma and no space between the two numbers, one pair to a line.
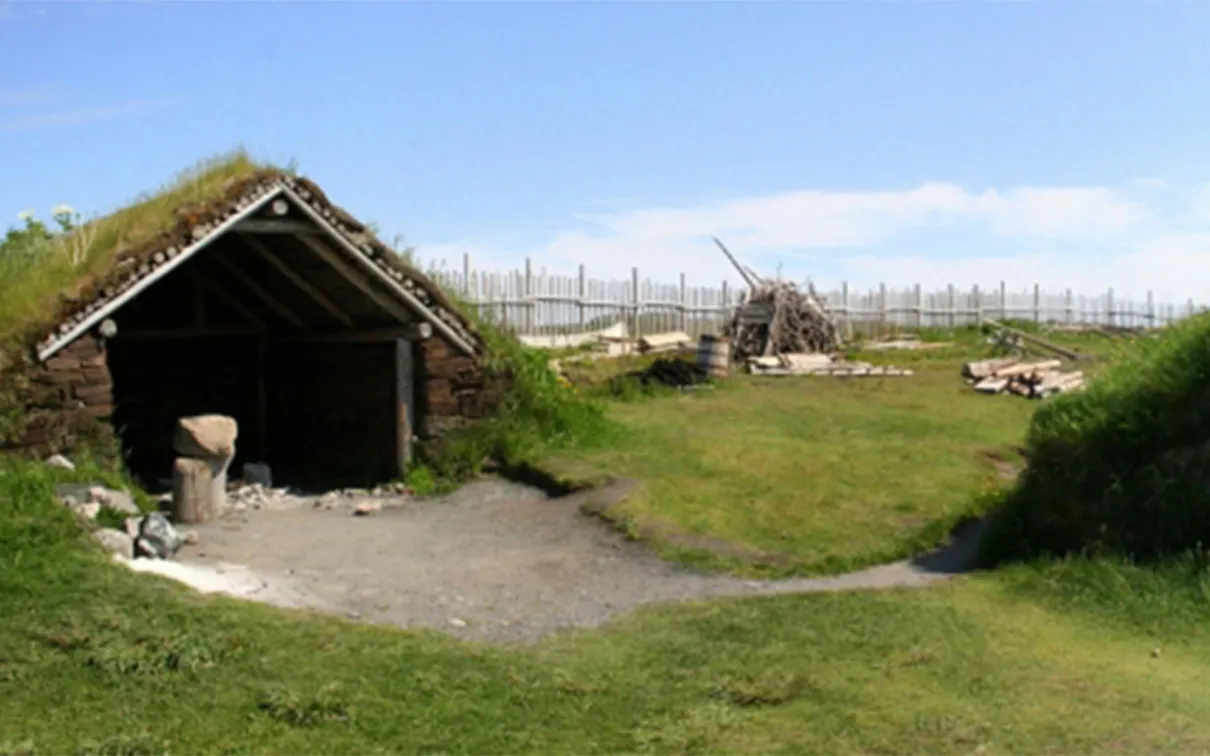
[42,281]
[49,280]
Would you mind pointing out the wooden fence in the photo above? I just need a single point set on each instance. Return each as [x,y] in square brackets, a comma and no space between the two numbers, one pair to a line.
[532,302]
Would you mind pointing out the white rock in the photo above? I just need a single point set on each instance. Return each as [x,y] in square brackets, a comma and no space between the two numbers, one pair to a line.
[60,462]
[115,541]
[456,622]
[119,501]
[366,508]
[158,538]
[87,510]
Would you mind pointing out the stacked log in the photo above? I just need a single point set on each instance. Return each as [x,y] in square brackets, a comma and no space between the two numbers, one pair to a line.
[1033,380]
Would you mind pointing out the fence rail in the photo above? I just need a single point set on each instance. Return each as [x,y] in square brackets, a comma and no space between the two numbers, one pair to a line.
[532,303]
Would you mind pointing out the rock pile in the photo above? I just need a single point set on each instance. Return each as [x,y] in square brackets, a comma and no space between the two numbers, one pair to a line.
[151,536]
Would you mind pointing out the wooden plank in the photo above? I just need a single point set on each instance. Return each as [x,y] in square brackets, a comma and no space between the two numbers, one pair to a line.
[232,302]
[1037,341]
[355,278]
[985,368]
[262,400]
[258,291]
[658,342]
[213,332]
[292,275]
[1026,368]
[991,385]
[411,332]
[404,403]
[275,226]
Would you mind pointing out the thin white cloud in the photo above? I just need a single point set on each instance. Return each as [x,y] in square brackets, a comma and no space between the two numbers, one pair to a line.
[14,98]
[933,233]
[78,116]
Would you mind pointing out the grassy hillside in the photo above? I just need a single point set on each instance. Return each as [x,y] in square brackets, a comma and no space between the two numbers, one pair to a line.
[97,659]
[1122,468]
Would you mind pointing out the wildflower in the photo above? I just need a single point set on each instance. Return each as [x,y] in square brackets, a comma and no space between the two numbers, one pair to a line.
[63,210]
[25,216]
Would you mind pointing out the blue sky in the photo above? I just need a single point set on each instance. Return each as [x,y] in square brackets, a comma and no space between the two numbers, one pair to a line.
[965,142]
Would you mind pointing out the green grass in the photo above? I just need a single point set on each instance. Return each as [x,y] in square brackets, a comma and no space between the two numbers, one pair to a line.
[96,659]
[1068,656]
[807,475]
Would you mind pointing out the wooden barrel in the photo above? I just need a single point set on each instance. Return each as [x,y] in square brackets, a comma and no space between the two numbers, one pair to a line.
[714,355]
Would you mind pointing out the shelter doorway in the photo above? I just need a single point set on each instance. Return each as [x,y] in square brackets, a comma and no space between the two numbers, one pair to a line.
[325,407]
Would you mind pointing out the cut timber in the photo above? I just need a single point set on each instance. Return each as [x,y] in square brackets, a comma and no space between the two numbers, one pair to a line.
[1020,388]
[986,368]
[840,371]
[1027,368]
[1036,340]
[991,385]
[1058,383]
[806,361]
[191,491]
[664,342]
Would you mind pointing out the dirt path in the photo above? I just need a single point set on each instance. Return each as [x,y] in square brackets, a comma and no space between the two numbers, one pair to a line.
[494,561]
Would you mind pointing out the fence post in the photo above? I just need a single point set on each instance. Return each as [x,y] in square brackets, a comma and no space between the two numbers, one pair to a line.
[882,310]
[1150,310]
[978,304]
[634,305]
[684,319]
[919,309]
[844,308]
[1068,313]
[1189,308]
[1109,306]
[724,308]
[1037,304]
[466,274]
[528,325]
[950,290]
[1003,302]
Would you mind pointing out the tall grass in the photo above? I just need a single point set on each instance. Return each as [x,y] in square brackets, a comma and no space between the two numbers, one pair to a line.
[536,414]
[1122,468]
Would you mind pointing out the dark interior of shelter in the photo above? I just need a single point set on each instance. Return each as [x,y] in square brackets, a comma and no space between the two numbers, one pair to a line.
[273,332]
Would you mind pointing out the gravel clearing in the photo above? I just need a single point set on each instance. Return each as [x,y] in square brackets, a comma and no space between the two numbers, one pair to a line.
[494,561]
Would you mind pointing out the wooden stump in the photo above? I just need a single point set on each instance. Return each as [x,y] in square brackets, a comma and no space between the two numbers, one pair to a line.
[192,494]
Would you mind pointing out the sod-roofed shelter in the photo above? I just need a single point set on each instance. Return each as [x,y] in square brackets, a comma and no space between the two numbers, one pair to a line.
[244,291]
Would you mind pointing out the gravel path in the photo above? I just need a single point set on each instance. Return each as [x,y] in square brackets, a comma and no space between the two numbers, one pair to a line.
[494,561]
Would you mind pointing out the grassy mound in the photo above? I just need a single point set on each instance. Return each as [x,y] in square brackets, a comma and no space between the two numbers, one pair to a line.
[1122,468]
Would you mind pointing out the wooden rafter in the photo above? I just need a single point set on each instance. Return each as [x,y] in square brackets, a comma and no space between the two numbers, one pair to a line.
[258,290]
[356,279]
[292,275]
[233,302]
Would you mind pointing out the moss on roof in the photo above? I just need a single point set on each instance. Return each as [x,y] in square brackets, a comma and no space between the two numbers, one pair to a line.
[61,276]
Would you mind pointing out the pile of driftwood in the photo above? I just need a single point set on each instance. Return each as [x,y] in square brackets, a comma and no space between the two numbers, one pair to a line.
[1034,380]
[777,317]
